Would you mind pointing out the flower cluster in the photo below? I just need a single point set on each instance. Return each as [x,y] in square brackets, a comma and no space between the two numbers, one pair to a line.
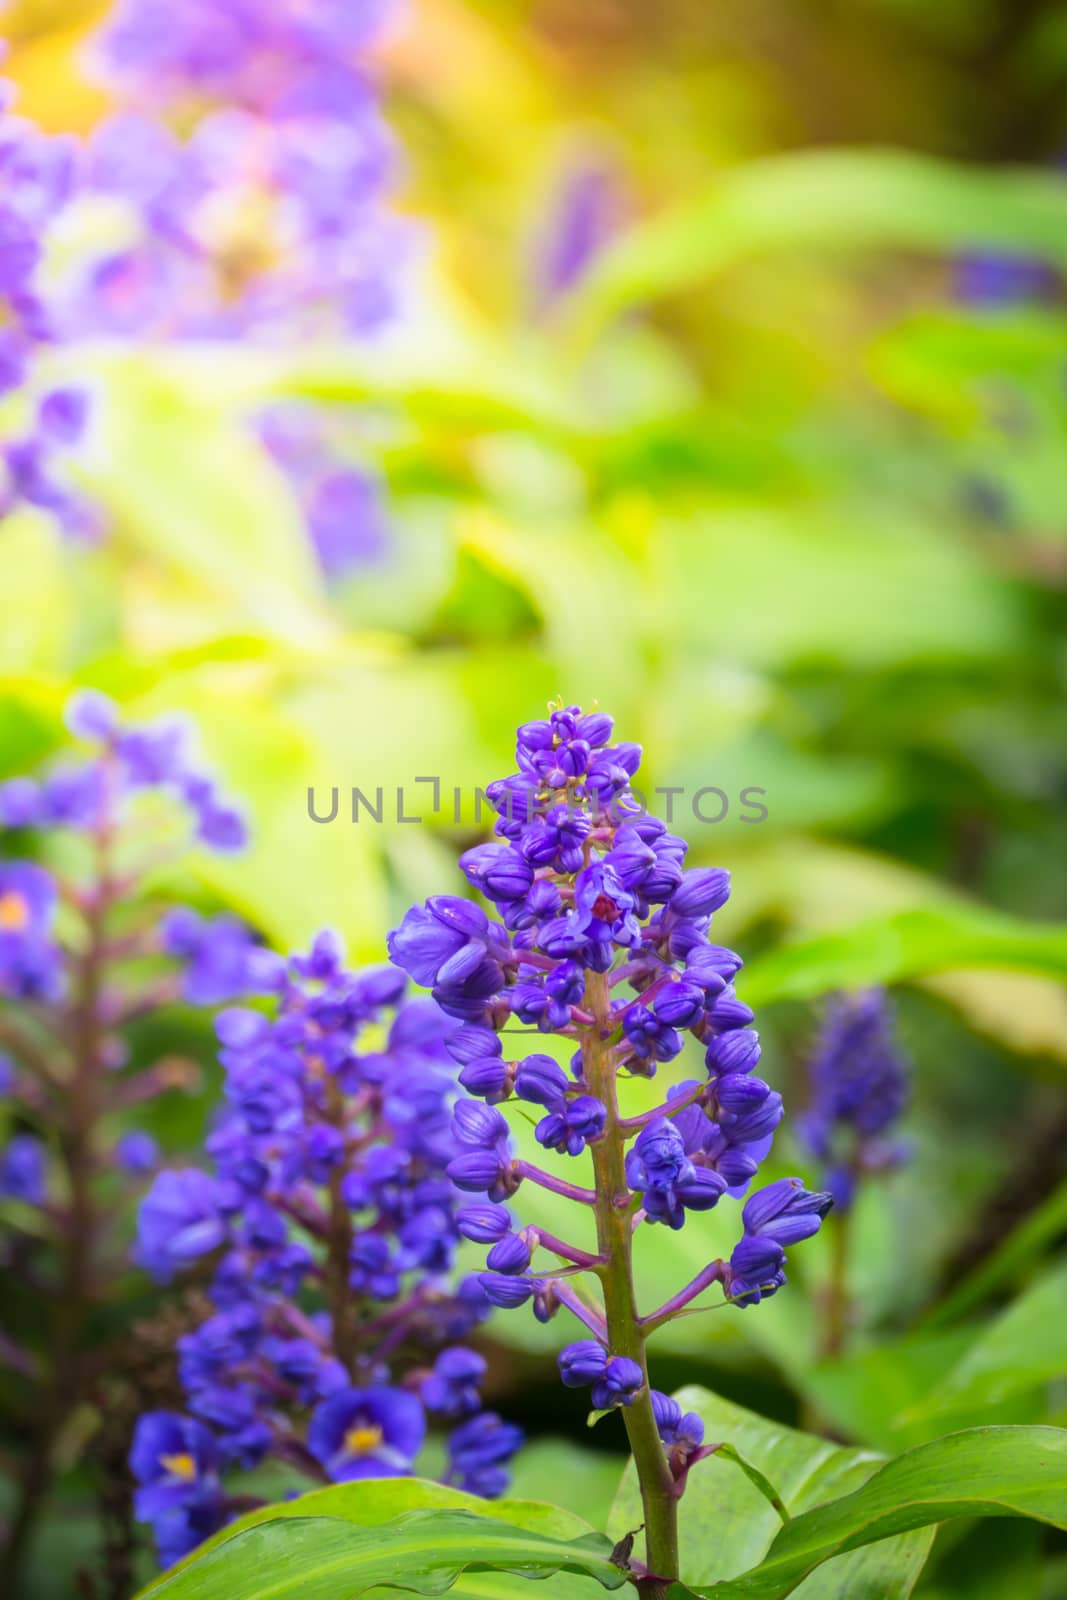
[859,1087]
[602,938]
[90,946]
[266,215]
[330,1230]
[36,181]
[237,190]
[201,960]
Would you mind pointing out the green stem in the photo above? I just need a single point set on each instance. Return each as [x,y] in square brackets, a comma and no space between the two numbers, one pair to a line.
[836,1306]
[625,1334]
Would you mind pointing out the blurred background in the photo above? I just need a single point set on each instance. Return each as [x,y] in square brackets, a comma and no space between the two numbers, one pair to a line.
[727,388]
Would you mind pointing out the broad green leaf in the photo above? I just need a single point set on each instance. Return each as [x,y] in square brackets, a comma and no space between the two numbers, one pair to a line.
[727,1526]
[1020,1350]
[332,1558]
[982,1472]
[941,363]
[381,1500]
[908,944]
[198,493]
[819,889]
[832,200]
[801,582]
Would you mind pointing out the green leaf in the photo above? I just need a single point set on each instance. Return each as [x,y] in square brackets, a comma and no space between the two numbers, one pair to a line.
[381,1500]
[729,1452]
[198,493]
[982,1472]
[1003,1264]
[832,200]
[1020,1350]
[331,1558]
[907,944]
[726,1525]
[797,583]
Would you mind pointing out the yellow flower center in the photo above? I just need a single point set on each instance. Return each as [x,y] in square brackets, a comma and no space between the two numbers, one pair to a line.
[14,912]
[362,1439]
[180,1466]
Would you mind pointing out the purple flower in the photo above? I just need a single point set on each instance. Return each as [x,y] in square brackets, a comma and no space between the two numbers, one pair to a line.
[582,1363]
[63,414]
[650,1034]
[27,900]
[860,1087]
[498,871]
[175,1462]
[682,1430]
[507,1290]
[541,1081]
[485,1224]
[223,961]
[137,1152]
[603,907]
[30,963]
[781,1214]
[367,1433]
[785,1211]
[586,213]
[619,1384]
[179,1220]
[478,1451]
[92,715]
[23,1169]
[154,753]
[733,1053]
[615,1380]
[658,1159]
[430,937]
[701,891]
[20,803]
[452,1388]
[511,1254]
[575,1124]
[489,1079]
[347,521]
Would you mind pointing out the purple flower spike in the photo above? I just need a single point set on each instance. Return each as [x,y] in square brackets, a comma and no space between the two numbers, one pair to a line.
[598,934]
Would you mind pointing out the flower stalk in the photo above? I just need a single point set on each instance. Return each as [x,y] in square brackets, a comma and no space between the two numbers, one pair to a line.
[603,941]
[624,1331]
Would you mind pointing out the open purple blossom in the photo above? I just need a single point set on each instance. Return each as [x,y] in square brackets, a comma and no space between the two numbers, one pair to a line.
[367,1433]
[859,1087]
[602,937]
[327,1233]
